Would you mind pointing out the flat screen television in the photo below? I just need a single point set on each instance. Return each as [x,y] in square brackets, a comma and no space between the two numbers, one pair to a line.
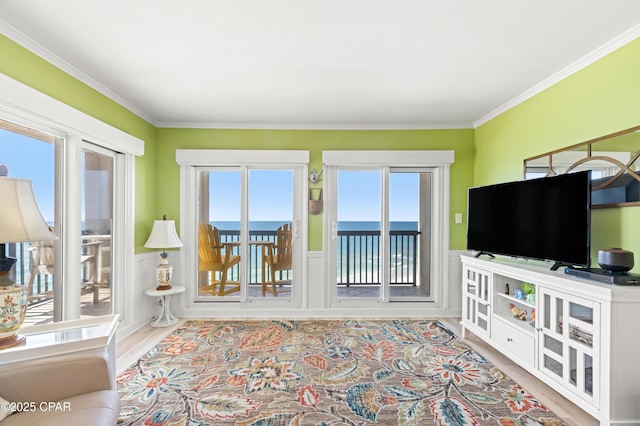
[545,219]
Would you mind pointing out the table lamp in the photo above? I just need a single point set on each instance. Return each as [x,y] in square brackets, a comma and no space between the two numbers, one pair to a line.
[20,221]
[164,236]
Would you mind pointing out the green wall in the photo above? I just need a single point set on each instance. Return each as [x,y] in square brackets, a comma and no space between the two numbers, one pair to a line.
[22,65]
[461,141]
[602,98]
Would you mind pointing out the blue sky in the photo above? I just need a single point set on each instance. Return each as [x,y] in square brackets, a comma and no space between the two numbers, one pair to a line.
[359,196]
[31,159]
[270,195]
[404,196]
[270,191]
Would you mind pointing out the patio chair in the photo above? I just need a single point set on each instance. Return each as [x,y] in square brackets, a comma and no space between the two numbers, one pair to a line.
[278,257]
[89,263]
[216,258]
[42,262]
[105,267]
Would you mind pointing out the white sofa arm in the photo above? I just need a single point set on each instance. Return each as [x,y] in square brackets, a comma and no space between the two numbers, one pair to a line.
[56,378]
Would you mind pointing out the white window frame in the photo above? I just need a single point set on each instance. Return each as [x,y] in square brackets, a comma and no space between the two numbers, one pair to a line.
[192,161]
[26,106]
[439,162]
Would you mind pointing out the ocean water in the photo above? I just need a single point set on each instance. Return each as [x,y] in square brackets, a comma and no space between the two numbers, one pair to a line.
[358,255]
[342,226]
[259,225]
[375,226]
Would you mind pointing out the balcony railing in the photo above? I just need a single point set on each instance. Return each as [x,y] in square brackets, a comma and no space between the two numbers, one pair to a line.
[20,251]
[358,259]
[359,254]
[43,281]
[255,255]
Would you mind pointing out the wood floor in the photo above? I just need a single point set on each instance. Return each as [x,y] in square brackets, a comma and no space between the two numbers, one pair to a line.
[133,347]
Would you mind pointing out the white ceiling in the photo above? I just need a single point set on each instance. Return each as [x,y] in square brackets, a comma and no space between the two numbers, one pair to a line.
[322,63]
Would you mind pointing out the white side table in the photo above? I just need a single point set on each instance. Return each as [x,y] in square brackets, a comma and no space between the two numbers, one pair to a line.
[165,318]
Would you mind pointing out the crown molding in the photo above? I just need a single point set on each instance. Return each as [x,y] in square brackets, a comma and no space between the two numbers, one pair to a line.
[36,48]
[599,53]
[303,126]
[602,51]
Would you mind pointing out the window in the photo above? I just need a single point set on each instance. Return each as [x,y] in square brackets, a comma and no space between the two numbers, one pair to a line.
[85,191]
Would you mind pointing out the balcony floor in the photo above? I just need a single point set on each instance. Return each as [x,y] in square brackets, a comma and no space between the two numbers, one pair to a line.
[371,291]
[354,291]
[42,312]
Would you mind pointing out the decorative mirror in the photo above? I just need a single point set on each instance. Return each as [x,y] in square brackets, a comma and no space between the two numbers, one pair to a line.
[612,159]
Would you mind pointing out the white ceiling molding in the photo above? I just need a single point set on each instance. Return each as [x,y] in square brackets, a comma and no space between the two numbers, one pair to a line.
[581,63]
[36,48]
[298,126]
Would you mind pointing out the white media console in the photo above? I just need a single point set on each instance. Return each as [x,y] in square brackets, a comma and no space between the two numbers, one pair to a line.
[580,337]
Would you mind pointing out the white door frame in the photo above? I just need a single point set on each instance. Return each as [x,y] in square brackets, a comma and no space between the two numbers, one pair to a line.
[439,162]
[191,162]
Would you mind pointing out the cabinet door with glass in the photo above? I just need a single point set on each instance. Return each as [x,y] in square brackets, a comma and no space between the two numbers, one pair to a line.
[476,299]
[569,342]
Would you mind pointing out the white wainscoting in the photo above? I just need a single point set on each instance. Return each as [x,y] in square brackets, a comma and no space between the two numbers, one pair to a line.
[316,303]
[139,308]
[454,302]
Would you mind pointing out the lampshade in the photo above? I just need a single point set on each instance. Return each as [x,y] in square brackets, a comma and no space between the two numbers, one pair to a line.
[163,235]
[20,217]
[20,221]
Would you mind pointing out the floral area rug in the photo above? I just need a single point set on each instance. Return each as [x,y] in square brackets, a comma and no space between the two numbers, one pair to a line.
[267,373]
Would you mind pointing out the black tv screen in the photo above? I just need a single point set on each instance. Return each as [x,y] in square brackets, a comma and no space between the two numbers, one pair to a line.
[547,219]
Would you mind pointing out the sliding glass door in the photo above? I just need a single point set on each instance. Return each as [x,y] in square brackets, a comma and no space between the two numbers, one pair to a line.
[409,234]
[381,234]
[219,233]
[271,233]
[31,154]
[359,221]
[97,214]
[247,238]
[81,191]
